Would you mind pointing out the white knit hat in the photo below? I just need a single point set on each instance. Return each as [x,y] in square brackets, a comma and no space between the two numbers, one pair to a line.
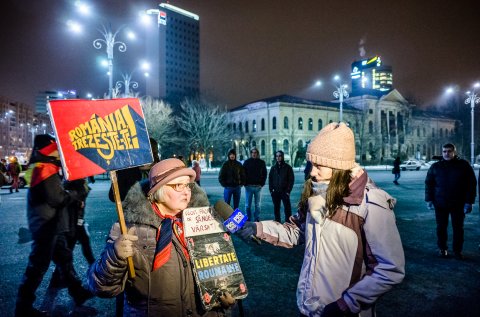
[334,147]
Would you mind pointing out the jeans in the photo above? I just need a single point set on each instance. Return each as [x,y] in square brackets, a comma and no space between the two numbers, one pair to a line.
[228,192]
[277,198]
[458,218]
[253,192]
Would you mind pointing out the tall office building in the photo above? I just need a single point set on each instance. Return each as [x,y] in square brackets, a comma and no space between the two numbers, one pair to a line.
[370,74]
[175,54]
[44,96]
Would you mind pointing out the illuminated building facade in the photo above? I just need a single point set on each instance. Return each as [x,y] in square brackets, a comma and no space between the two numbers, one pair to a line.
[370,74]
[175,52]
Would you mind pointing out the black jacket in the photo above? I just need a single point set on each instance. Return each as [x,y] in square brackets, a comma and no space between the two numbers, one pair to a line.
[255,172]
[450,183]
[280,178]
[232,174]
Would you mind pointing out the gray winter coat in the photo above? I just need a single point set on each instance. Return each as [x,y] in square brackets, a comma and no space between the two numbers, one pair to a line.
[168,291]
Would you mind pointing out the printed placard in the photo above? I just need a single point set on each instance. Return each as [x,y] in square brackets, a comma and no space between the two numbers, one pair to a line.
[95,136]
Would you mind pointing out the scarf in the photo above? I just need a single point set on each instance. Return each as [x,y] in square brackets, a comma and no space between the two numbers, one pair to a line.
[169,226]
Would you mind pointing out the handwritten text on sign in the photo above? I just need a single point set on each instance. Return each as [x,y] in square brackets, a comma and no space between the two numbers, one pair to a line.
[200,221]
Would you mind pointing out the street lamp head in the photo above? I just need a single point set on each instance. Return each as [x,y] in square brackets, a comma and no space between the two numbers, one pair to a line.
[74,26]
[318,83]
[83,8]
[336,78]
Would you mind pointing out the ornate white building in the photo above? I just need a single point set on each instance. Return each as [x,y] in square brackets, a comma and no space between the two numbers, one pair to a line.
[385,127]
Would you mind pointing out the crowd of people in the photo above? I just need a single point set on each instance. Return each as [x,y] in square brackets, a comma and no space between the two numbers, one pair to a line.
[353,254]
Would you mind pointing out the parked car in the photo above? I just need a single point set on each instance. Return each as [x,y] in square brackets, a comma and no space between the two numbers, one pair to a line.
[22,182]
[410,165]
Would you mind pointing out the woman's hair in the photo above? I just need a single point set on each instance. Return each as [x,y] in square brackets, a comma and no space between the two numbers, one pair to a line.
[307,192]
[158,196]
[337,190]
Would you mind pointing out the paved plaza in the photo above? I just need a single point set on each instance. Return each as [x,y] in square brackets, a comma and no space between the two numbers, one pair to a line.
[432,287]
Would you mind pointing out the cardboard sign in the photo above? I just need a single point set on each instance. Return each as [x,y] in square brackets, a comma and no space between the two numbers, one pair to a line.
[215,264]
[95,136]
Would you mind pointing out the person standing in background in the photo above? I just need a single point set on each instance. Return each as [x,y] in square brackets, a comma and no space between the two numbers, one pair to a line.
[396,170]
[232,178]
[280,183]
[450,189]
[198,171]
[255,178]
[13,169]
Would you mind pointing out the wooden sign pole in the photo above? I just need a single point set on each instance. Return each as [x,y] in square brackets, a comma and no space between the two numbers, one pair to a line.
[121,218]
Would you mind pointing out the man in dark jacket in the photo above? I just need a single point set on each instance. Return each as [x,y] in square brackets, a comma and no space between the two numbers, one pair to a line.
[232,178]
[255,178]
[46,213]
[280,183]
[450,188]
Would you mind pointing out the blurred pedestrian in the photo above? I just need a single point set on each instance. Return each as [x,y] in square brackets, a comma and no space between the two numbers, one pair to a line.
[47,217]
[255,178]
[13,170]
[164,284]
[280,183]
[232,178]
[353,252]
[79,227]
[396,170]
[198,171]
[450,189]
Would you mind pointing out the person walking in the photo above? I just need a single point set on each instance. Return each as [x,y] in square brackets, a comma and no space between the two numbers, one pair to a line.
[232,178]
[280,184]
[13,169]
[164,284]
[47,218]
[450,190]
[255,178]
[396,170]
[198,171]
[353,251]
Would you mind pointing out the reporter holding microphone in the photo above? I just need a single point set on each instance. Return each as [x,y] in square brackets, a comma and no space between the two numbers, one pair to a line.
[353,251]
[164,284]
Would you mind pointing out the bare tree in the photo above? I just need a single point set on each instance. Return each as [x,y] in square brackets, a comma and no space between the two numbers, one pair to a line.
[205,125]
[159,121]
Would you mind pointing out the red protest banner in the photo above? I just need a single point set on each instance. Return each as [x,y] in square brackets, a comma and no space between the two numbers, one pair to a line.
[95,136]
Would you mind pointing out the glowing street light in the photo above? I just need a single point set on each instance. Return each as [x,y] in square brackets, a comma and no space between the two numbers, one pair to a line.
[340,93]
[472,99]
[109,42]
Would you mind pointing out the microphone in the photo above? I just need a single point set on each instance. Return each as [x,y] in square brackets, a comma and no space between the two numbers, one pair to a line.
[234,220]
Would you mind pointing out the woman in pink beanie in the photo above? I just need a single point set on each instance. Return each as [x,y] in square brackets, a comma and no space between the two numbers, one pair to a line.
[353,252]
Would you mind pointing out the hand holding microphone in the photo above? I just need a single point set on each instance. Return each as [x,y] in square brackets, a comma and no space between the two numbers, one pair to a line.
[235,221]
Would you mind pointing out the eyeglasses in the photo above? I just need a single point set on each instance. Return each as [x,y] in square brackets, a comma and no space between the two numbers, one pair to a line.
[180,187]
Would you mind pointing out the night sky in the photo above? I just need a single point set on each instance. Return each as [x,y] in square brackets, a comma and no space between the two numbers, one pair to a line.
[251,49]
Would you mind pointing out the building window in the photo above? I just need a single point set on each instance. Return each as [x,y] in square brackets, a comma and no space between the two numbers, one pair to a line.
[254,126]
[274,123]
[424,131]
[286,147]
[246,126]
[310,124]
[440,132]
[320,124]
[370,127]
[262,125]
[418,132]
[240,127]
[262,147]
[285,122]
[274,146]
[300,123]
[433,132]
[254,143]
[234,127]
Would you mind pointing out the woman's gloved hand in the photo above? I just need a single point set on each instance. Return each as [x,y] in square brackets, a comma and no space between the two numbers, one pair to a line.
[227,300]
[124,244]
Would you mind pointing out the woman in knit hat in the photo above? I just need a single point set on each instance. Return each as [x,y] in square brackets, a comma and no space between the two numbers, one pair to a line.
[164,284]
[353,252]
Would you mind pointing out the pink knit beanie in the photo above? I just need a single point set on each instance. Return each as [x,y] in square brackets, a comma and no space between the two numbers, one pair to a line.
[334,147]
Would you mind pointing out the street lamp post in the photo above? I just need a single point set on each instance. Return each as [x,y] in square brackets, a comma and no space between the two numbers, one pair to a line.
[472,99]
[109,41]
[126,83]
[340,93]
